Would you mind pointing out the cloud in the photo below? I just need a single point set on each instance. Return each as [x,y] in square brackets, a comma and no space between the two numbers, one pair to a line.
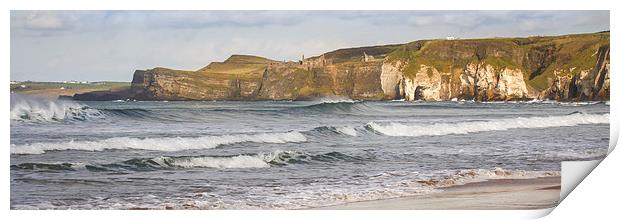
[86,21]
[203,19]
[38,20]
[109,45]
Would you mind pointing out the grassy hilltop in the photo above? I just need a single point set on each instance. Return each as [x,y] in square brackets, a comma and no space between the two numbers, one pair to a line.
[537,57]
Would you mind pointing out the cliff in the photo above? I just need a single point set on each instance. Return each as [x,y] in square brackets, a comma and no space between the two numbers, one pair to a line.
[568,68]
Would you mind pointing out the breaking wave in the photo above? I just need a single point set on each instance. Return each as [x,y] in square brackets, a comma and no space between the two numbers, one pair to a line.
[159,144]
[573,155]
[338,106]
[240,161]
[33,109]
[48,166]
[397,129]
[333,100]
[261,160]
[346,130]
[461,177]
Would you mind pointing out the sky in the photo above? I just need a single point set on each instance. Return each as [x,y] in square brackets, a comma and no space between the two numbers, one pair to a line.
[110,45]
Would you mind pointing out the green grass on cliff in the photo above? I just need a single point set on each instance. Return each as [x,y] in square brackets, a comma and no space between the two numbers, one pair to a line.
[537,57]
[357,54]
[447,56]
[247,59]
[239,70]
[244,67]
[576,52]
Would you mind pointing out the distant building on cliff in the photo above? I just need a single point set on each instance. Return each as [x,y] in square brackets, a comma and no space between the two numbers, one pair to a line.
[368,58]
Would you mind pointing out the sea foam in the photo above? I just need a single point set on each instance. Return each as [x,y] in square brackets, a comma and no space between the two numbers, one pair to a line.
[32,109]
[397,129]
[347,130]
[159,144]
[240,161]
[461,177]
[336,100]
[261,160]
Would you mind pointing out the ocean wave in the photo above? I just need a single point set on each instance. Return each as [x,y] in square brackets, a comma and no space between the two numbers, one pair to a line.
[345,130]
[461,177]
[581,103]
[391,185]
[552,102]
[388,189]
[49,166]
[163,162]
[127,112]
[397,129]
[33,109]
[260,160]
[345,105]
[340,107]
[239,161]
[572,155]
[139,114]
[159,144]
[332,100]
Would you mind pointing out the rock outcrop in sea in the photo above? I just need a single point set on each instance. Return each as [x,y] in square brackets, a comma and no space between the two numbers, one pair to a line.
[565,68]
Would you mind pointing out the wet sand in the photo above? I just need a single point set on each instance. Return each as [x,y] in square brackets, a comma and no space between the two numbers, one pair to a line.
[537,193]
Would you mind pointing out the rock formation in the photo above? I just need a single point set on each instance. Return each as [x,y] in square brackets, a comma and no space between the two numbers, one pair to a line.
[568,68]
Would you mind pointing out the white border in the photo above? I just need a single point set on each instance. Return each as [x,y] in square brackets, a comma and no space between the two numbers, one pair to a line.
[594,197]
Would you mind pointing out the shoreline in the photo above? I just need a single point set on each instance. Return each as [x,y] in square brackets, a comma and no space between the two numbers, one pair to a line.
[534,193]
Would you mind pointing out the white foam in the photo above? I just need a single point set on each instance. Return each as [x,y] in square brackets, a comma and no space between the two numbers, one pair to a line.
[298,197]
[159,144]
[260,160]
[336,100]
[397,129]
[478,175]
[579,103]
[25,108]
[347,130]
[573,155]
[241,161]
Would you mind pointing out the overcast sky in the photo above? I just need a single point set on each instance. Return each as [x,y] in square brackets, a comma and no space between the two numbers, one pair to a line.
[110,45]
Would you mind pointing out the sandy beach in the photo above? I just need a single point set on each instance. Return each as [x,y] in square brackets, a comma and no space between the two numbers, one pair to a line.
[535,193]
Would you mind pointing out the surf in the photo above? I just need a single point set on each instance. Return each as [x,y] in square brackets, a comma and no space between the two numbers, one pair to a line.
[461,177]
[35,109]
[334,130]
[159,144]
[437,129]
[239,161]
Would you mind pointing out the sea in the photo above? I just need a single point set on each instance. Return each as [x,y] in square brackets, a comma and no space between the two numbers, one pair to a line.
[128,154]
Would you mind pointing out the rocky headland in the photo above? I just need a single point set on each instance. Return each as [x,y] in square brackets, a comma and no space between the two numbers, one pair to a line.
[564,68]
